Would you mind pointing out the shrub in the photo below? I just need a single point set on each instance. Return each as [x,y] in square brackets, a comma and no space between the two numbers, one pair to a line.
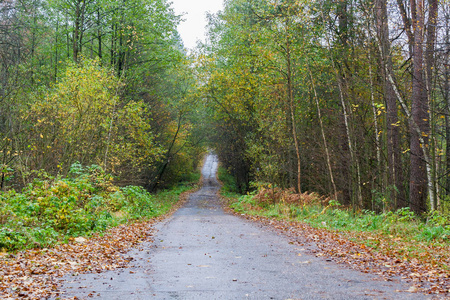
[51,209]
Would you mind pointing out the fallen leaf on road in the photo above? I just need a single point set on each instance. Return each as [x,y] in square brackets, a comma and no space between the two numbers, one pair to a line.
[80,240]
[428,271]
[412,289]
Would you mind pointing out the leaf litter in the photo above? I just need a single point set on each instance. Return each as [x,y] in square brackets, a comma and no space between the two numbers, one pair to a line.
[427,272]
[37,274]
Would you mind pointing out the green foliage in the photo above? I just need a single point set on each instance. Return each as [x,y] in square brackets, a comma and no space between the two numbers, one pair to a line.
[138,201]
[402,222]
[229,182]
[272,77]
[50,209]
[83,119]
[110,95]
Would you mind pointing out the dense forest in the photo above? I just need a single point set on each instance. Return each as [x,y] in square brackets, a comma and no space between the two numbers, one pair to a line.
[327,121]
[349,99]
[95,82]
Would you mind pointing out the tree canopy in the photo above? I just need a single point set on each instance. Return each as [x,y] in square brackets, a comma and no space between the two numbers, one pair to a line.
[348,99]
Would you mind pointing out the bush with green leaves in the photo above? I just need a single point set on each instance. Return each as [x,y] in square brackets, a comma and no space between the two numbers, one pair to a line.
[228,181]
[84,118]
[50,209]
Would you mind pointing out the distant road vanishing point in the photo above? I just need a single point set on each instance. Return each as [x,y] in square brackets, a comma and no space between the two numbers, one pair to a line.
[201,252]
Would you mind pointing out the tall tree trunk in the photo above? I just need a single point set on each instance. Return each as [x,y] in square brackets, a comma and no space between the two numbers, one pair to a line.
[380,178]
[82,24]
[341,12]
[99,35]
[446,95]
[430,63]
[67,37]
[420,115]
[76,31]
[56,50]
[290,91]
[353,159]
[113,44]
[120,55]
[395,176]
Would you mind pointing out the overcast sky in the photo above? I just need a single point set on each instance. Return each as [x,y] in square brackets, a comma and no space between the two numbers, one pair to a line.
[193,28]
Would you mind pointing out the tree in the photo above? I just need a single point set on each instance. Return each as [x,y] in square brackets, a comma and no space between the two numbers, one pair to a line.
[394,165]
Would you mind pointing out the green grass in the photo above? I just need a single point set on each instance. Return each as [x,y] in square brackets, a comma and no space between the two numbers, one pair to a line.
[399,223]
[229,185]
[51,210]
[397,234]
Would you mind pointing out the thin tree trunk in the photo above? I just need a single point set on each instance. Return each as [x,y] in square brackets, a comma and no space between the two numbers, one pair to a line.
[99,35]
[56,50]
[67,37]
[327,152]
[354,161]
[81,31]
[113,44]
[108,140]
[292,108]
[376,126]
[406,22]
[168,155]
[76,31]
[429,63]
[376,129]
[446,95]
[447,146]
[120,56]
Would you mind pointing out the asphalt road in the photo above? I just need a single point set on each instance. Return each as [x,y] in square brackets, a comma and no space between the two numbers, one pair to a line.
[201,252]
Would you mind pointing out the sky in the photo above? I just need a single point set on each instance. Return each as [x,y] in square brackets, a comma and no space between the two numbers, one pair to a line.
[193,28]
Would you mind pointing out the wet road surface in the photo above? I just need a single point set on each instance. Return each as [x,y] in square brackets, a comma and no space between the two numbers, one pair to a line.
[203,253]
